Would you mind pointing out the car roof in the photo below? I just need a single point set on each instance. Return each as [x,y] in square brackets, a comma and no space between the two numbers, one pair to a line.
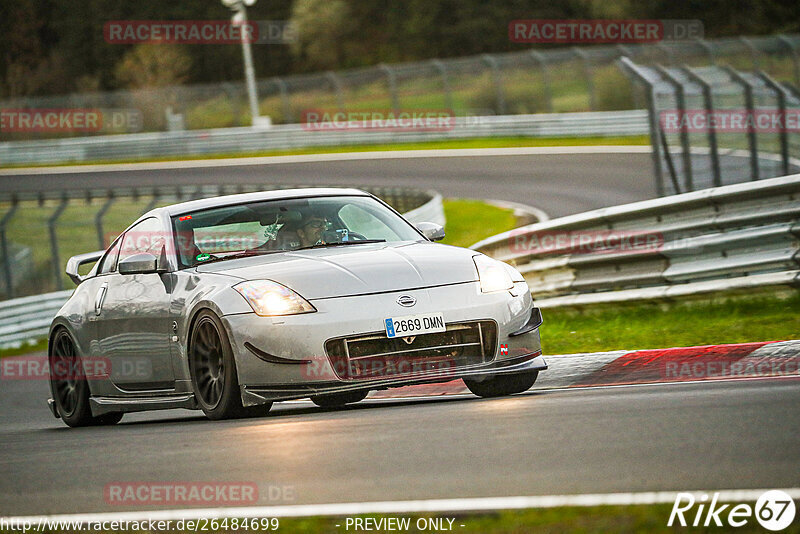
[227,200]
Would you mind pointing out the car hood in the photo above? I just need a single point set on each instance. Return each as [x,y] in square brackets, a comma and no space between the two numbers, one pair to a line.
[356,269]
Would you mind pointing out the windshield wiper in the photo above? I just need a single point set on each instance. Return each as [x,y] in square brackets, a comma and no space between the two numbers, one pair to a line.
[340,244]
[240,254]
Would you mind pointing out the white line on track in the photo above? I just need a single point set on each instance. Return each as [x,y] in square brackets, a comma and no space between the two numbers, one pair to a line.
[479,504]
[341,156]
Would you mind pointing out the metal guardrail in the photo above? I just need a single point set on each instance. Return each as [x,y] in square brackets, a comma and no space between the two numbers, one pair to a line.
[730,237]
[27,319]
[288,136]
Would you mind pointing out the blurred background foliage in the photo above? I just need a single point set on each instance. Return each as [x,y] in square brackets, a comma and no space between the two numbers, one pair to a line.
[57,46]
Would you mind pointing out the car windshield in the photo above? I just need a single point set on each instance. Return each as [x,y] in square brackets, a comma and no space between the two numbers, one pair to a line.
[283,225]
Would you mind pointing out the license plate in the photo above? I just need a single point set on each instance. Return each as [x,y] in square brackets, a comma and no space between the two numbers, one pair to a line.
[414,325]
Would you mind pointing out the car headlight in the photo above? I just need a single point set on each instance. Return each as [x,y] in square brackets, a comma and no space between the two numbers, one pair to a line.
[495,275]
[268,298]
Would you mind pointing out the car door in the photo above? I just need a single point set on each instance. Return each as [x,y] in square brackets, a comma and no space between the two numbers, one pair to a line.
[133,321]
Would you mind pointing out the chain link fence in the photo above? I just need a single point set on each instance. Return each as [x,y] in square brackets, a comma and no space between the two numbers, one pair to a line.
[532,81]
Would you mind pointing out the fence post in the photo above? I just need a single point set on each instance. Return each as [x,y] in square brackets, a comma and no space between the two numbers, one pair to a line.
[448,96]
[587,74]
[680,98]
[51,228]
[548,95]
[752,141]
[5,249]
[98,220]
[793,52]
[655,130]
[287,105]
[391,79]
[336,85]
[498,82]
[780,93]
[708,103]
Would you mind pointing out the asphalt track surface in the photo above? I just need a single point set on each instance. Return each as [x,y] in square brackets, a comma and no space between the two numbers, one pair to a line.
[714,435]
[560,184]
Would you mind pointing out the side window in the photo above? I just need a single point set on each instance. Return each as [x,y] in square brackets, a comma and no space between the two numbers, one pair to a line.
[109,262]
[147,236]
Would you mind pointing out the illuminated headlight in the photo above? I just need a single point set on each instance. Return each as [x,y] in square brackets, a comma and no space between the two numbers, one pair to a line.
[268,298]
[495,275]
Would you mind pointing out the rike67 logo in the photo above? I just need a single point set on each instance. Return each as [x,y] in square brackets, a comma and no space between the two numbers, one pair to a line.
[774,510]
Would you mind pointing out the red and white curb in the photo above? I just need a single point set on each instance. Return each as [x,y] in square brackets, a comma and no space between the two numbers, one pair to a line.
[620,367]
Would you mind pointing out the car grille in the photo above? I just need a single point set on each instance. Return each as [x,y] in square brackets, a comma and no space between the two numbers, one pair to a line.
[374,355]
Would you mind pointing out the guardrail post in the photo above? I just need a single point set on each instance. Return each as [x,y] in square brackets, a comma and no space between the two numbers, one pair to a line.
[448,96]
[708,103]
[655,129]
[548,95]
[51,228]
[498,82]
[98,220]
[587,74]
[793,52]
[780,93]
[391,80]
[5,249]
[751,132]
[283,89]
[336,85]
[680,98]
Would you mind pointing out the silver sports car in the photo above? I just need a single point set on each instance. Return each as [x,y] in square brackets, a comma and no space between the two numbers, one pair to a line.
[231,303]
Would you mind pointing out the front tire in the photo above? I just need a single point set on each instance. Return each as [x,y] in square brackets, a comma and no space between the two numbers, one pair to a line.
[337,400]
[213,371]
[500,385]
[68,384]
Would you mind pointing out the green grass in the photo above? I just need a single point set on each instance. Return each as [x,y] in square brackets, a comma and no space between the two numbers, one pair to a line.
[653,325]
[469,221]
[496,142]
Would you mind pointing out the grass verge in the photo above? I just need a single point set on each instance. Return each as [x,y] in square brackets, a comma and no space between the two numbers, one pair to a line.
[655,325]
[500,142]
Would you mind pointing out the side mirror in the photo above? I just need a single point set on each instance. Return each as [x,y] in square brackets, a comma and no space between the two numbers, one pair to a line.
[75,262]
[432,231]
[138,264]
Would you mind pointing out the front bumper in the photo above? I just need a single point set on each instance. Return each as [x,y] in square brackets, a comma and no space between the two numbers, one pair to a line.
[289,360]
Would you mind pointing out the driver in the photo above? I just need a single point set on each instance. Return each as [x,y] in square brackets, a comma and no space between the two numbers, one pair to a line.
[310,232]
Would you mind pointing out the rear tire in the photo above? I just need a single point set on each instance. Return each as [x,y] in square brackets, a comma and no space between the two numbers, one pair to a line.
[499,386]
[213,371]
[69,386]
[337,400]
